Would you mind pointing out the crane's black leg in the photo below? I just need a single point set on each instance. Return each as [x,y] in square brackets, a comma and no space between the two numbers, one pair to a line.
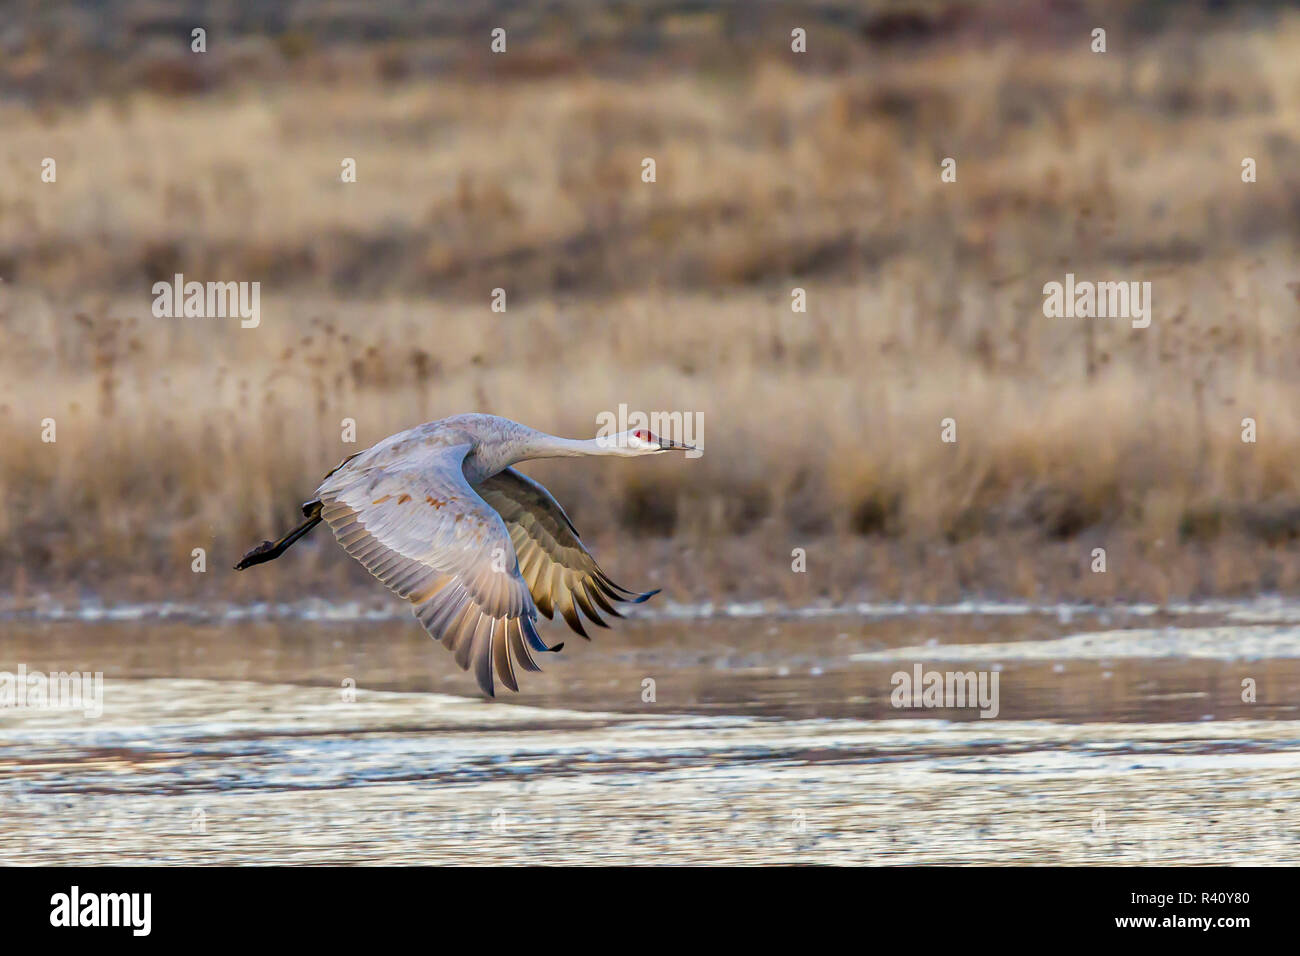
[270,550]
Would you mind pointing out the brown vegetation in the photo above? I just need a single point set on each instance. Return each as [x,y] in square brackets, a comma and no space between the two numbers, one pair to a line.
[774,171]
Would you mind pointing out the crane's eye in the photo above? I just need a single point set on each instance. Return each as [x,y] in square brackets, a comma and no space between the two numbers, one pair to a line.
[642,434]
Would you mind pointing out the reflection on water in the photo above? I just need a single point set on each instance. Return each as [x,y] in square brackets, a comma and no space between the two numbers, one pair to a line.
[766,741]
[823,667]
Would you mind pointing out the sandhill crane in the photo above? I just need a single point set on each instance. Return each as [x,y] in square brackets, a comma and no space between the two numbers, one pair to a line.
[477,548]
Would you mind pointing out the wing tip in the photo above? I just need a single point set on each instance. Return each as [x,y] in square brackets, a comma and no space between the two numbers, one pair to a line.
[642,598]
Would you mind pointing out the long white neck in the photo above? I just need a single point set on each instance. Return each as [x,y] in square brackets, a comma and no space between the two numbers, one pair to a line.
[542,445]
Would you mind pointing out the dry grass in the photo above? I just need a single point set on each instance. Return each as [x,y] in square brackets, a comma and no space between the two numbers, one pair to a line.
[822,429]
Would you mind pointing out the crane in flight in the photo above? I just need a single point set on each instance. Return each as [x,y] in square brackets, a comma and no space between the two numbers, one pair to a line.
[477,548]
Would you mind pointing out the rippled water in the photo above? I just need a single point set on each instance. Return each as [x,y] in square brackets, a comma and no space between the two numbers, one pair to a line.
[1121,736]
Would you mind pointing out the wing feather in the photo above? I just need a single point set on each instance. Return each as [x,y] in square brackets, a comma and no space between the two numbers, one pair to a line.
[560,572]
[419,527]
[476,563]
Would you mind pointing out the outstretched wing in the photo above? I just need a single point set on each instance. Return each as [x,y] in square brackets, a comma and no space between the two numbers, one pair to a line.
[420,528]
[560,572]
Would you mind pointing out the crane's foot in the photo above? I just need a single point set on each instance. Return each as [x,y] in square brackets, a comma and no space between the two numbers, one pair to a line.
[265,551]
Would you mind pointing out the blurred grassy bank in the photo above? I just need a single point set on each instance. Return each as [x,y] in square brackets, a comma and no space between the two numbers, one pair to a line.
[774,171]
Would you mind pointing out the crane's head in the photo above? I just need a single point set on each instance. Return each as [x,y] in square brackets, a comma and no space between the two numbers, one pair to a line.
[642,441]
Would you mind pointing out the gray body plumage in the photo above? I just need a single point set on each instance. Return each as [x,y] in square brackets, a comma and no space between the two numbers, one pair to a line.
[477,548]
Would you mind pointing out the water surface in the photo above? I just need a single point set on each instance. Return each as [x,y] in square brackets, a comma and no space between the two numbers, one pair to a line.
[1119,738]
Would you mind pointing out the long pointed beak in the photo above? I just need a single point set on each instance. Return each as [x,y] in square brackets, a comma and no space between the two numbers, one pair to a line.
[667,444]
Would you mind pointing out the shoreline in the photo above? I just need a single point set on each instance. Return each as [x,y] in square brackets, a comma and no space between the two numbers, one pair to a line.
[753,570]
[1262,609]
